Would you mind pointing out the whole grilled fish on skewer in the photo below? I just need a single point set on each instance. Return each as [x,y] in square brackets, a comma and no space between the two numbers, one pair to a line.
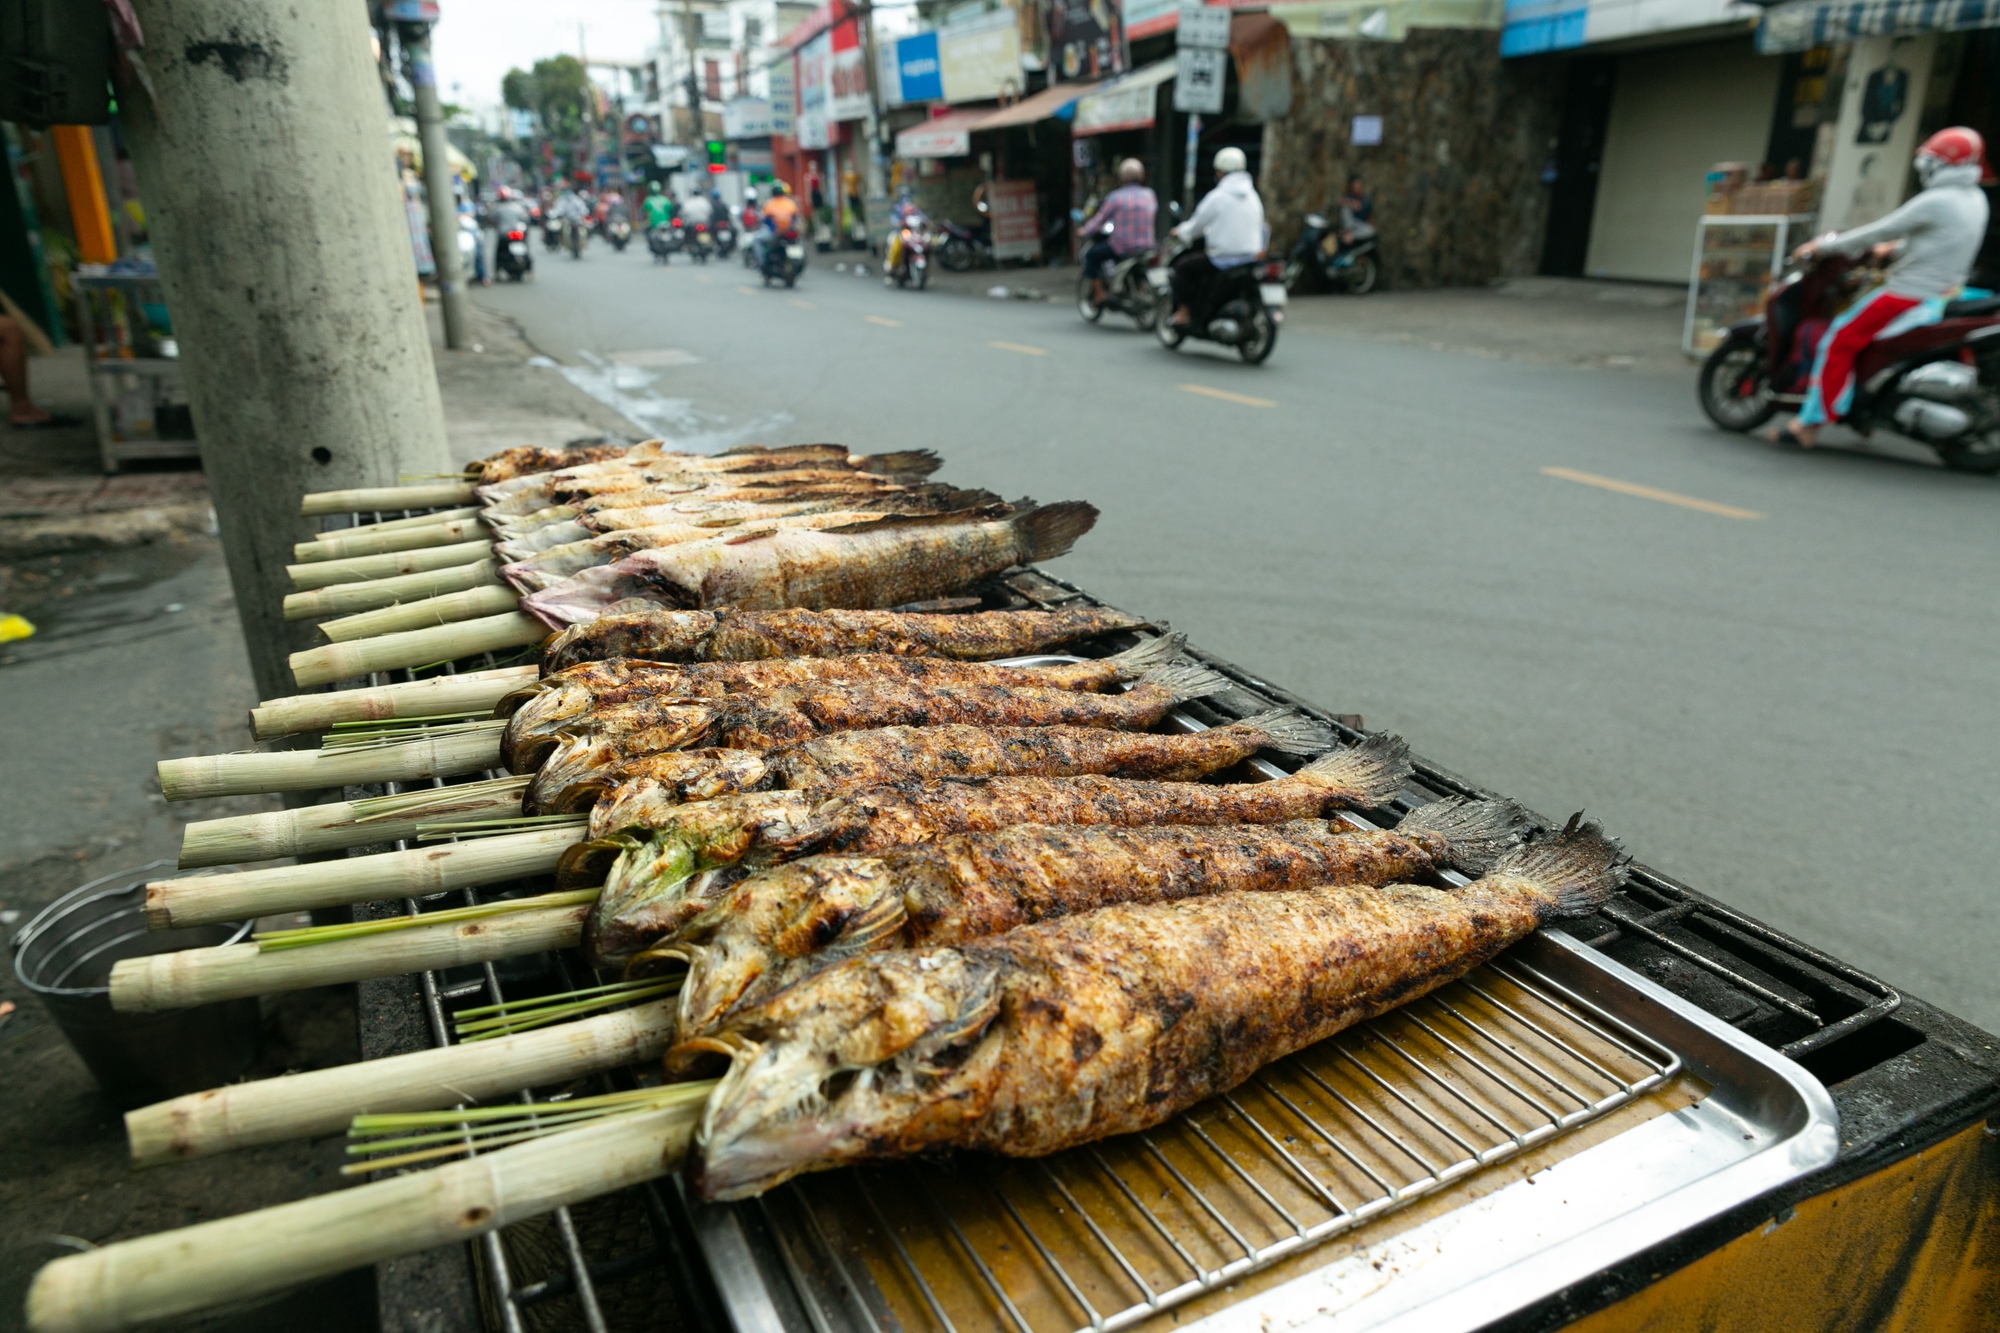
[526,460]
[658,880]
[779,924]
[628,790]
[584,700]
[730,635]
[524,494]
[795,713]
[888,565]
[1069,1031]
[544,498]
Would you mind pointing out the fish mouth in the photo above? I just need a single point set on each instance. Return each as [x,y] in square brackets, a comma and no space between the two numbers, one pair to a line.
[654,887]
[571,778]
[536,726]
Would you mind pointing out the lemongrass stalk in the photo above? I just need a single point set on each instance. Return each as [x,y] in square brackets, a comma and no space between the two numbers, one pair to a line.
[445,830]
[374,735]
[129,1283]
[527,1122]
[343,824]
[471,603]
[487,1029]
[347,543]
[371,499]
[361,568]
[559,997]
[188,977]
[402,1122]
[323,1101]
[209,899]
[273,941]
[373,808]
[343,599]
[417,647]
[414,521]
[428,756]
[468,691]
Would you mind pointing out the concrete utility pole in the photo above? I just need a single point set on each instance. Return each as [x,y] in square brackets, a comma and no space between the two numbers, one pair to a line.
[416,40]
[263,159]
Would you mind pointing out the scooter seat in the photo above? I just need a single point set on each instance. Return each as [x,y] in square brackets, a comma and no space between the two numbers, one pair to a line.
[1977,309]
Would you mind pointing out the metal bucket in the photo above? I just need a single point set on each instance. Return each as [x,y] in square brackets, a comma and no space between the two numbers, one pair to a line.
[65,955]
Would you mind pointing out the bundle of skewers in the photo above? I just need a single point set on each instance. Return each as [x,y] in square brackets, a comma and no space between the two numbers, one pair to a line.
[865,882]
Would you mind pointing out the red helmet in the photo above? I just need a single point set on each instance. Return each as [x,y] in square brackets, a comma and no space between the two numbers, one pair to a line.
[1956,146]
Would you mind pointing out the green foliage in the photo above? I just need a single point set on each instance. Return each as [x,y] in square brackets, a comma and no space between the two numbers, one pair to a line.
[518,90]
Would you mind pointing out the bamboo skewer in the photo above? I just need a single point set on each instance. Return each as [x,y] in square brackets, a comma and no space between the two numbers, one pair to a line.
[416,873]
[322,1101]
[489,600]
[331,828]
[443,755]
[417,647]
[234,971]
[358,568]
[425,495]
[346,544]
[415,521]
[471,691]
[342,599]
[235,1258]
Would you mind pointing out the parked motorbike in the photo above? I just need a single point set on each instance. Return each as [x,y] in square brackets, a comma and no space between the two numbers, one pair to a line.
[966,248]
[725,238]
[513,258]
[1351,265]
[1126,286]
[911,257]
[575,235]
[1241,308]
[618,231]
[700,243]
[1939,383]
[784,257]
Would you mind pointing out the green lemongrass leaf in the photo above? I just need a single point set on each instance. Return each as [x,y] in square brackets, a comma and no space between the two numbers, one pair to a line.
[487,828]
[415,720]
[402,735]
[372,808]
[269,941]
[396,1122]
[535,1120]
[504,1025]
[560,997]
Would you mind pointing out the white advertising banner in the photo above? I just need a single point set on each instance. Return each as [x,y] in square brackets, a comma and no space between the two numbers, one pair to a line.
[981,59]
[784,98]
[815,123]
[746,118]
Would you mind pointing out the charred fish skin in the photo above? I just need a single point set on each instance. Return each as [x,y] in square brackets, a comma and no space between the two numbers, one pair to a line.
[779,922]
[1069,1031]
[730,635]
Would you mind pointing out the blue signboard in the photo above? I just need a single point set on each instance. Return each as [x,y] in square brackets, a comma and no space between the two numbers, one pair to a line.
[1530,27]
[917,59]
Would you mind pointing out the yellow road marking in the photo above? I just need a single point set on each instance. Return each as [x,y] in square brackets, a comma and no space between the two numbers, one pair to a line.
[1022,348]
[883,321]
[747,291]
[702,277]
[802,305]
[1227,396]
[1649,493]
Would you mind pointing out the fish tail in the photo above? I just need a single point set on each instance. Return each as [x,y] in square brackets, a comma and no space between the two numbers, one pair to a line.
[1576,871]
[1136,662]
[1476,833]
[1290,733]
[1184,681]
[1371,773]
[902,463]
[1047,531]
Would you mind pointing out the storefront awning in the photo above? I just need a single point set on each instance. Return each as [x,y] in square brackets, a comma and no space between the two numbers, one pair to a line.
[1122,104]
[949,135]
[1048,102]
[1799,25]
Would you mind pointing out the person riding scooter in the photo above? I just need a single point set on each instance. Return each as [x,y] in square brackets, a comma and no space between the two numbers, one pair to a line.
[1130,211]
[1230,218]
[780,218]
[1941,229]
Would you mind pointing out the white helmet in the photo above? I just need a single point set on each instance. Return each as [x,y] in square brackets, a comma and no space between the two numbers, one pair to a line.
[1230,159]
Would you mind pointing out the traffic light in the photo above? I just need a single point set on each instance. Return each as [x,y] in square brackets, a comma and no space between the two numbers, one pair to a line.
[717,156]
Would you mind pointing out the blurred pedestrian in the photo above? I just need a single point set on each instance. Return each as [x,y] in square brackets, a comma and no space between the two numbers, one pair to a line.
[22,414]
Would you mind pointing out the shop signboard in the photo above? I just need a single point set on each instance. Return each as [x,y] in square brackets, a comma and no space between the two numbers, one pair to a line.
[815,110]
[1016,214]
[847,74]
[784,98]
[746,118]
[1199,77]
[918,75]
[1149,18]
[943,137]
[1122,104]
[1086,39]
[980,59]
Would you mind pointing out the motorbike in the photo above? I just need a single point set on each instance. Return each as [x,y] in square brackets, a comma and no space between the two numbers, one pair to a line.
[551,231]
[662,241]
[965,248]
[513,258]
[912,250]
[1127,289]
[618,231]
[1351,265]
[1938,383]
[1241,308]
[700,242]
[725,238]
[784,257]
[574,236]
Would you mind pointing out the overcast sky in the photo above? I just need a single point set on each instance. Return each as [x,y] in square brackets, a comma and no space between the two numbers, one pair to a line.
[477,41]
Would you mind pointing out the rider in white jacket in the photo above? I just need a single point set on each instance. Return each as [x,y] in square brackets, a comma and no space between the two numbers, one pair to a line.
[1231,218]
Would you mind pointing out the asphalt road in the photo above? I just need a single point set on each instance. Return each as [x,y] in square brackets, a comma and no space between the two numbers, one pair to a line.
[1771,674]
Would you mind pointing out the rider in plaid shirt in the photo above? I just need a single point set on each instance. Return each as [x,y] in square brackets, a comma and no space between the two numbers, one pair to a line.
[1130,210]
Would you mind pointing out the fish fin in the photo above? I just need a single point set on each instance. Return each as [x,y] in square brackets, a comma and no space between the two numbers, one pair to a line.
[1159,652]
[905,520]
[1290,733]
[1047,531]
[1476,832]
[749,535]
[902,463]
[870,928]
[1373,771]
[1186,682]
[1577,870]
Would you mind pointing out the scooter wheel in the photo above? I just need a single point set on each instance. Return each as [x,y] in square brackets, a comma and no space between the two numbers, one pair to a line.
[1170,334]
[1085,304]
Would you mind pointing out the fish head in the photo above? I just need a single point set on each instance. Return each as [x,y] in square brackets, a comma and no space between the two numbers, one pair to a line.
[878,1056]
[575,776]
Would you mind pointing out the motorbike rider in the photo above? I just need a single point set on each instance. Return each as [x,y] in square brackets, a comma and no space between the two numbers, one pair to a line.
[781,215]
[1357,209]
[904,216]
[1130,211]
[698,210]
[571,209]
[1940,229]
[1231,217]
[659,206]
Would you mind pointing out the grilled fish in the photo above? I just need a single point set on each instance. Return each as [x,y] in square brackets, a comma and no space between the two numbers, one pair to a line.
[525,494]
[1068,1031]
[526,459]
[903,560]
[629,790]
[656,882]
[719,504]
[734,636]
[779,924]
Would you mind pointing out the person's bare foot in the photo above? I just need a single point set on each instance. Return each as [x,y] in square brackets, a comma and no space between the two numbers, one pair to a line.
[1792,433]
[1182,315]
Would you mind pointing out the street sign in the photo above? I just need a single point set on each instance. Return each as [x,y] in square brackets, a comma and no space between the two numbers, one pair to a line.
[1203,26]
[1199,74]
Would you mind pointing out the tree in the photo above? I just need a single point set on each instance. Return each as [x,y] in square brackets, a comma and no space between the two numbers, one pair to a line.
[563,97]
[518,90]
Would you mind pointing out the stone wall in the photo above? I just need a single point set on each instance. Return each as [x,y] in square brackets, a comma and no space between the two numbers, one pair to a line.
[1456,178]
